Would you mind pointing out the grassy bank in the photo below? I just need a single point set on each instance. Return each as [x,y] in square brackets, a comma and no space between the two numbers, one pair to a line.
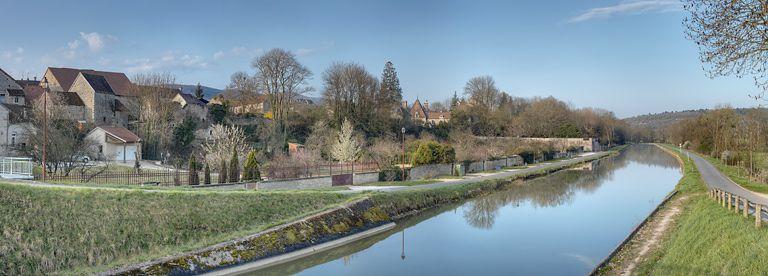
[707,238]
[738,175]
[46,230]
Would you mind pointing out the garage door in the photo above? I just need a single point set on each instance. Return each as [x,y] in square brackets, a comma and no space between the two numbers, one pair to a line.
[130,153]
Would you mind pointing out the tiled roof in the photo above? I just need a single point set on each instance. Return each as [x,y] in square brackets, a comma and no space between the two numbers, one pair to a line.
[190,99]
[15,92]
[31,92]
[120,83]
[70,98]
[16,113]
[119,106]
[121,134]
[99,83]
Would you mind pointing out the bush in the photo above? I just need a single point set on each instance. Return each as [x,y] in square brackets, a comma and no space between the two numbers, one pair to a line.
[431,152]
[207,174]
[234,168]
[251,168]
[223,172]
[393,174]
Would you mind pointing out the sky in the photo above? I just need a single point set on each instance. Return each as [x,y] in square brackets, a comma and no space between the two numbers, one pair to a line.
[627,56]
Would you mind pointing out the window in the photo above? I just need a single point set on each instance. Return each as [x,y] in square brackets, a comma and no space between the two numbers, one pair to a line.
[16,99]
[101,149]
[104,119]
[13,139]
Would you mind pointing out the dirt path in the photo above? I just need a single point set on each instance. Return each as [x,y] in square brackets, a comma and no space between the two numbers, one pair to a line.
[647,239]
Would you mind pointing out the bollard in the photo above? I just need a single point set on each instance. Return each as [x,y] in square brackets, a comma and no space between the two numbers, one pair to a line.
[758,215]
[736,205]
[722,198]
[746,208]
[728,201]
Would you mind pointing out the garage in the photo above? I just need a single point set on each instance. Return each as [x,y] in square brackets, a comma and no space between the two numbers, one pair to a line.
[116,143]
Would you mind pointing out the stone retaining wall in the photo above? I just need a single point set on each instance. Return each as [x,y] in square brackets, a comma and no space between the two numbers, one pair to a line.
[310,183]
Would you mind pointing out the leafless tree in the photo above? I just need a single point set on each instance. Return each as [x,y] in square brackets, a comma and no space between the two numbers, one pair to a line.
[350,92]
[154,111]
[482,91]
[282,78]
[223,140]
[731,36]
[246,86]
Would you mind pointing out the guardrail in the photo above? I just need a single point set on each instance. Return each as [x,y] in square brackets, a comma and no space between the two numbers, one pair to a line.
[740,204]
[16,166]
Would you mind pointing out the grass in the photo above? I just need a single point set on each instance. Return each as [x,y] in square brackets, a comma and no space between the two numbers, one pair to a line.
[738,175]
[399,183]
[707,239]
[82,231]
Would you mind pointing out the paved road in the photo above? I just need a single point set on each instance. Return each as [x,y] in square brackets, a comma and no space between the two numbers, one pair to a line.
[502,175]
[715,179]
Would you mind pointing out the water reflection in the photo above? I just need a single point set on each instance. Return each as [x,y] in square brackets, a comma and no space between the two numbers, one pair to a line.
[515,231]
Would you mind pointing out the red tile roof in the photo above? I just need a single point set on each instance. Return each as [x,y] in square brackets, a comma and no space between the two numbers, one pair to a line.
[118,81]
[121,134]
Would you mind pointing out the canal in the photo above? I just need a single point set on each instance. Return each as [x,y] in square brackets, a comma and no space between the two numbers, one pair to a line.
[562,224]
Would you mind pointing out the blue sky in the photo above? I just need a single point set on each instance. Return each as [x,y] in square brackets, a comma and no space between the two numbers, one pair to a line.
[630,57]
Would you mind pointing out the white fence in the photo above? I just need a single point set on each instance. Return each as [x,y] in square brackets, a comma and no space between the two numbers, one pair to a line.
[16,167]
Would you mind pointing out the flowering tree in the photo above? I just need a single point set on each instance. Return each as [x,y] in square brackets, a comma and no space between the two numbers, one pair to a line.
[346,148]
[222,141]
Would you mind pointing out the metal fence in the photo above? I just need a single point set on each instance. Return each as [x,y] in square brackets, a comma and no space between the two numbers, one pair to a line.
[274,172]
[16,167]
[154,177]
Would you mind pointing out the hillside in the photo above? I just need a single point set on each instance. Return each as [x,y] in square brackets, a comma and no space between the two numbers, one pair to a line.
[661,120]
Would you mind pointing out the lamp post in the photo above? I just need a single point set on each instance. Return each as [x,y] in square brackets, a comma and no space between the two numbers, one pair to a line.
[402,147]
[402,248]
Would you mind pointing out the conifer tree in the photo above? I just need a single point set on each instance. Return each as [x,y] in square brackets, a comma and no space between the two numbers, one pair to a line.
[223,172]
[234,168]
[207,174]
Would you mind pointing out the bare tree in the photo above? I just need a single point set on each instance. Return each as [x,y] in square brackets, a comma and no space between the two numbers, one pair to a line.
[731,36]
[282,78]
[154,111]
[247,86]
[346,148]
[351,92]
[482,91]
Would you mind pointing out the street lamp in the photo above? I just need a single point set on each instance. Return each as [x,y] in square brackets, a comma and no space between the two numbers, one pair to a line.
[45,121]
[402,248]
[402,147]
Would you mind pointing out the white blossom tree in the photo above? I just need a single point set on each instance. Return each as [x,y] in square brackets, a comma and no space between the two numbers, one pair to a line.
[346,148]
[221,142]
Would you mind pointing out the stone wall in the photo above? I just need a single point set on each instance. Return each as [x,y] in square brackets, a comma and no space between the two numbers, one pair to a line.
[430,171]
[311,183]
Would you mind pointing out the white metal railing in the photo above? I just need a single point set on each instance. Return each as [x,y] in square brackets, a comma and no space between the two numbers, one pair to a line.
[16,165]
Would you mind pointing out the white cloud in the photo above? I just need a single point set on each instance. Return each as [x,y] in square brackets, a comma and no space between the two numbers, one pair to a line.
[74,44]
[94,40]
[238,52]
[628,7]
[13,55]
[305,51]
[170,61]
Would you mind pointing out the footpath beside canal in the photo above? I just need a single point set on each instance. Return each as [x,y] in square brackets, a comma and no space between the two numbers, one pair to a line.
[692,234]
[376,210]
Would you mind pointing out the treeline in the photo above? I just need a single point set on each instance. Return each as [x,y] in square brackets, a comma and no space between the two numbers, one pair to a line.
[737,138]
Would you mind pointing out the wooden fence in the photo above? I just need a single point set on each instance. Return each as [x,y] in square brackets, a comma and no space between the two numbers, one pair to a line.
[740,204]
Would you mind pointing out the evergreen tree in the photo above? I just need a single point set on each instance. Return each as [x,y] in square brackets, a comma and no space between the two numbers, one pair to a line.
[391,91]
[223,172]
[234,168]
[192,179]
[454,100]
[207,174]
[251,168]
[199,92]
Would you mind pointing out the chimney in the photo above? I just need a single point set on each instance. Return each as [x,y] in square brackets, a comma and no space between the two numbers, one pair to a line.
[405,104]
[426,104]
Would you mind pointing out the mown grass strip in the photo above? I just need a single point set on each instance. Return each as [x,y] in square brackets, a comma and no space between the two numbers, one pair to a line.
[49,230]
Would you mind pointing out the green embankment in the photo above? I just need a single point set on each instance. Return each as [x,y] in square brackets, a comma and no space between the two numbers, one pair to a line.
[66,231]
[708,239]
[738,175]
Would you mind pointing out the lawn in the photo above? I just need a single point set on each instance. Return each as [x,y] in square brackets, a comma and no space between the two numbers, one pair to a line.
[399,183]
[707,239]
[738,175]
[82,231]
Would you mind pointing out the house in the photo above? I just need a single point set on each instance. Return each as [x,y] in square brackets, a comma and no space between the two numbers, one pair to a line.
[104,105]
[192,106]
[105,95]
[13,125]
[294,148]
[116,143]
[69,103]
[10,91]
[422,113]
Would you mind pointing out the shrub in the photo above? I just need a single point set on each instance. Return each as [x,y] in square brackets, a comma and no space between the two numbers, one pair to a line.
[192,179]
[223,172]
[234,168]
[207,174]
[393,174]
[431,152]
[251,168]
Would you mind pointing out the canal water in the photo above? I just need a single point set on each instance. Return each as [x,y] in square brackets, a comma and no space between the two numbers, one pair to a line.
[563,224]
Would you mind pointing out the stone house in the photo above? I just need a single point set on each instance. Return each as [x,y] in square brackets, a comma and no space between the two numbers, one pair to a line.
[10,91]
[70,103]
[13,126]
[422,113]
[115,143]
[192,106]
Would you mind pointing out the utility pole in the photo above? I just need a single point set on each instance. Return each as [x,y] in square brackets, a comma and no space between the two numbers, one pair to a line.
[45,122]
[402,147]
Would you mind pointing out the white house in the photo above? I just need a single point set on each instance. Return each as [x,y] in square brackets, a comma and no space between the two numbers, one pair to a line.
[116,143]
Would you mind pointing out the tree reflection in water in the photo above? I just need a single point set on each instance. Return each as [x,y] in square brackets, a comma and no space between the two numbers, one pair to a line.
[560,188]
